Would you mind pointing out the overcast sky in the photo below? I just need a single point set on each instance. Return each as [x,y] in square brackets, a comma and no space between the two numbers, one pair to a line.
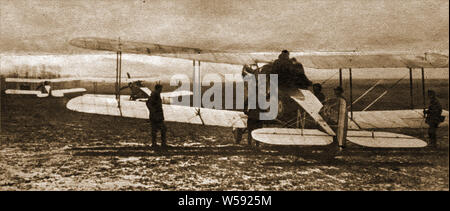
[46,26]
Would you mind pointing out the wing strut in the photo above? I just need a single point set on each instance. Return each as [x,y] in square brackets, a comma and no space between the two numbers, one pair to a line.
[118,75]
[351,93]
[301,120]
[423,88]
[197,90]
[411,89]
[196,86]
[2,83]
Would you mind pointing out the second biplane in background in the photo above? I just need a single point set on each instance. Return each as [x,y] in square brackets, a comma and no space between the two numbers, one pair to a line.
[42,87]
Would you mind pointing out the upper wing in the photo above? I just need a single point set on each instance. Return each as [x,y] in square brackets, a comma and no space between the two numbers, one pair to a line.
[130,47]
[318,60]
[328,60]
[36,80]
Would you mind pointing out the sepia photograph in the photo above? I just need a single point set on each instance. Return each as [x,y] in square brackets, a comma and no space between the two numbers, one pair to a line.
[224,95]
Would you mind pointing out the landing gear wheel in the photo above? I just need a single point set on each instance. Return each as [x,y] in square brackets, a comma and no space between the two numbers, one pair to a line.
[331,151]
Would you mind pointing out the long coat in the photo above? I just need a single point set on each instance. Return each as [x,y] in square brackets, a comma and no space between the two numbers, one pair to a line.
[433,113]
[154,105]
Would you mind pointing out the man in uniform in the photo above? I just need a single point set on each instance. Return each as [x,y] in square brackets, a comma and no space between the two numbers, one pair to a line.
[317,90]
[253,122]
[335,113]
[154,105]
[298,76]
[433,117]
[282,67]
[291,73]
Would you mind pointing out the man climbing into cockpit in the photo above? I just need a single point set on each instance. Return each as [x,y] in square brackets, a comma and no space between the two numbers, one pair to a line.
[291,73]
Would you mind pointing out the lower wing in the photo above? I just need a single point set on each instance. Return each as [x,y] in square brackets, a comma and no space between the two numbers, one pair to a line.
[384,139]
[292,137]
[108,105]
[313,137]
[32,93]
[63,92]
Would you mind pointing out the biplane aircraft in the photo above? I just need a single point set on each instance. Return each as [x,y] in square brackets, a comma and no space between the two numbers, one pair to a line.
[41,88]
[360,123]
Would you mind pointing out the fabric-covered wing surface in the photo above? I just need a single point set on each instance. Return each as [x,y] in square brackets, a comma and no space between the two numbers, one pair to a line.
[21,92]
[318,60]
[62,92]
[292,137]
[391,119]
[384,140]
[104,44]
[107,105]
[328,60]
[32,93]
[311,137]
[334,60]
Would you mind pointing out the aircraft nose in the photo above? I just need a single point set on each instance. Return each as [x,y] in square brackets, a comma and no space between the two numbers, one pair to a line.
[437,60]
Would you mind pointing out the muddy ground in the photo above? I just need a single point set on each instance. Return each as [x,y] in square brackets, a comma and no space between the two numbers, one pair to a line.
[47,147]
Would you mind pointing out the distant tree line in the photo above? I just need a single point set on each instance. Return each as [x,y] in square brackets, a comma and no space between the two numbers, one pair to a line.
[34,71]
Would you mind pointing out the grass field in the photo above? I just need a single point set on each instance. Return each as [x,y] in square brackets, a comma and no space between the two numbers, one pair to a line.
[47,147]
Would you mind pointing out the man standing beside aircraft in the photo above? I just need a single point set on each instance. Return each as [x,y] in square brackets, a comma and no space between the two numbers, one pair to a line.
[317,90]
[433,117]
[253,122]
[154,105]
[335,113]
